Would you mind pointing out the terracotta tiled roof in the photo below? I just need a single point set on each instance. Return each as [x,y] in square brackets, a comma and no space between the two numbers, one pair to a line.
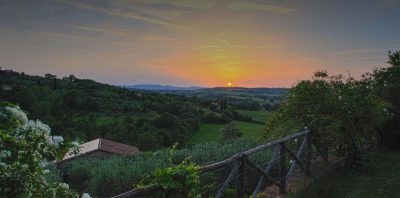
[117,148]
[103,145]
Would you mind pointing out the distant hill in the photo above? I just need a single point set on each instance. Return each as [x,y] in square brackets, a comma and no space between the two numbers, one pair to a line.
[85,109]
[154,87]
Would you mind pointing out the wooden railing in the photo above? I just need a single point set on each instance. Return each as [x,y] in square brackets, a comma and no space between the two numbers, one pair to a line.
[241,162]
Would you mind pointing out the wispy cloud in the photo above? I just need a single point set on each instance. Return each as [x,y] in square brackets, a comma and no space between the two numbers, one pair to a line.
[102,30]
[225,44]
[239,5]
[66,36]
[159,38]
[122,13]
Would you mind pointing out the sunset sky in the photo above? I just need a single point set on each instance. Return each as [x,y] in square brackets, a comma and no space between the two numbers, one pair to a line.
[254,43]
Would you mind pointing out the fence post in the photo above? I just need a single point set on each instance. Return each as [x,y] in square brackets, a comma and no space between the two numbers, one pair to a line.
[307,163]
[241,179]
[282,167]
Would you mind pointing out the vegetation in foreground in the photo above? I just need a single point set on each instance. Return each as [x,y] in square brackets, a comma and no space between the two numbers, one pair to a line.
[26,151]
[383,180]
[102,178]
[349,116]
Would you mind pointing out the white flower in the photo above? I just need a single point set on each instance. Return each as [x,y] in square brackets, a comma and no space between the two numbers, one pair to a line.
[291,161]
[57,140]
[295,140]
[305,128]
[40,127]
[75,144]
[18,114]
[86,195]
[46,171]
[49,140]
[43,163]
[64,185]
[5,154]
[384,110]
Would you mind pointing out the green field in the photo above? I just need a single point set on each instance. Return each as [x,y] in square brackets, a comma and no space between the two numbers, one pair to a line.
[256,115]
[210,132]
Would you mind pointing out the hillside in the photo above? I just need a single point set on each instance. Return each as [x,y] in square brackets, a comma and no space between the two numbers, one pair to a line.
[85,109]
[159,87]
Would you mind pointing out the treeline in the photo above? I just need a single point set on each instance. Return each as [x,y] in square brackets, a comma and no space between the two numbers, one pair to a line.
[80,108]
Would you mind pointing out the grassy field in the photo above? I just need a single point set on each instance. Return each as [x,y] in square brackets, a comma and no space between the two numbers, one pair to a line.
[210,132]
[257,115]
[382,181]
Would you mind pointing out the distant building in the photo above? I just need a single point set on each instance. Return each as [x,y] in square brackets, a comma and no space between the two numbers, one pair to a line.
[98,149]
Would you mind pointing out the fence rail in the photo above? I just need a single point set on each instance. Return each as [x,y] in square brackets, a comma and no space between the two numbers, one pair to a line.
[241,162]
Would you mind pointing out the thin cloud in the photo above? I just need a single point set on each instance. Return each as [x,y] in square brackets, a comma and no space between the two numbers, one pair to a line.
[259,6]
[224,44]
[124,14]
[77,37]
[158,38]
[101,30]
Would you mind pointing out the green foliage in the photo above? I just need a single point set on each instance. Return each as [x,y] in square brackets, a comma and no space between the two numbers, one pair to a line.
[386,84]
[79,108]
[211,132]
[230,131]
[382,181]
[26,147]
[260,116]
[344,114]
[108,177]
[182,180]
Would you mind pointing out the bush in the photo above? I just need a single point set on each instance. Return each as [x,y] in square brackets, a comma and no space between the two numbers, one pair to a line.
[26,148]
[386,84]
[182,180]
[344,114]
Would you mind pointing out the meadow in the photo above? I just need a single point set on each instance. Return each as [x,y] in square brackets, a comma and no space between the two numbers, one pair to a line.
[211,132]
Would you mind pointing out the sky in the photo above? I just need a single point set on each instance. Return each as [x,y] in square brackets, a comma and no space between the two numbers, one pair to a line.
[251,43]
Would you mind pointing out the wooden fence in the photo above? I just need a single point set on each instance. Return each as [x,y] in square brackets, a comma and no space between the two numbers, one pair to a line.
[241,162]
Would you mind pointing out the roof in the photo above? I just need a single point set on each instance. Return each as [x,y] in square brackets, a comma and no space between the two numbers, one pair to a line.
[103,145]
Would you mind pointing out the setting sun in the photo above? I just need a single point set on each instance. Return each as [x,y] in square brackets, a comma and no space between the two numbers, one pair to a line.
[229,84]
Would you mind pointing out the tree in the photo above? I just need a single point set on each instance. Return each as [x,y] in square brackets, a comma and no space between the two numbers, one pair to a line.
[344,114]
[147,141]
[230,131]
[386,84]
[25,98]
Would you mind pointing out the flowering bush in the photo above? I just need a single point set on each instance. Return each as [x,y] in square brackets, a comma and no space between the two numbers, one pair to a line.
[26,149]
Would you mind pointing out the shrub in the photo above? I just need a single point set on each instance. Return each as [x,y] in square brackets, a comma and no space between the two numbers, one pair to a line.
[386,84]
[26,147]
[182,180]
[344,114]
